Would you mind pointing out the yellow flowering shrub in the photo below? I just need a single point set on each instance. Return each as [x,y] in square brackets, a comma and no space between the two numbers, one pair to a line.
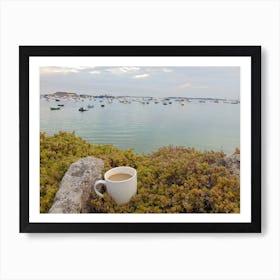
[170,180]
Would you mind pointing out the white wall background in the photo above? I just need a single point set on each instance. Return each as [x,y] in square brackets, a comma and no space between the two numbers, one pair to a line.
[139,256]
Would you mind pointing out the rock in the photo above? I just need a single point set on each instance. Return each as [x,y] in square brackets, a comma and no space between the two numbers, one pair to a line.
[75,187]
[231,162]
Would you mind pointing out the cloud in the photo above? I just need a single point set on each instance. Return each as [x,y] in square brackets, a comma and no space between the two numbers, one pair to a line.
[50,70]
[95,72]
[201,87]
[167,70]
[137,80]
[130,69]
[62,70]
[122,70]
[189,85]
[141,76]
[185,85]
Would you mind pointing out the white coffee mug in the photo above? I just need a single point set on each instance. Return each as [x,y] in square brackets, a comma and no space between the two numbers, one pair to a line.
[120,191]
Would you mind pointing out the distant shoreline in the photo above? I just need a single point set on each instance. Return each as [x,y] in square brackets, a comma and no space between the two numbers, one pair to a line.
[88,96]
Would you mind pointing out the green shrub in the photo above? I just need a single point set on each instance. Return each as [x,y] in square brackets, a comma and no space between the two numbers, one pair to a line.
[170,180]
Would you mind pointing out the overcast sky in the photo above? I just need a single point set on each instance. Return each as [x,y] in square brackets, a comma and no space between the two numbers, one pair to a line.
[217,82]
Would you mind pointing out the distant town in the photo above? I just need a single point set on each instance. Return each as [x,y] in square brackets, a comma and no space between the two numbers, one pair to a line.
[127,99]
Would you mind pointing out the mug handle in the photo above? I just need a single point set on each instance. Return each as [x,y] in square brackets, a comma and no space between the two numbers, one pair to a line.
[98,183]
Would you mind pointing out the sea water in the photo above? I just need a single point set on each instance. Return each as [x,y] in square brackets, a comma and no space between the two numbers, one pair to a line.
[147,127]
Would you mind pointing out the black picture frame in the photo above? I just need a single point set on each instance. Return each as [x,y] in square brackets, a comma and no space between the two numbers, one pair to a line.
[254,52]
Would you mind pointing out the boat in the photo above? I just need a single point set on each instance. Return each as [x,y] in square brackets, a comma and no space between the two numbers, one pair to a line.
[102,105]
[164,103]
[60,105]
[82,109]
[55,108]
[57,100]
[170,102]
[90,106]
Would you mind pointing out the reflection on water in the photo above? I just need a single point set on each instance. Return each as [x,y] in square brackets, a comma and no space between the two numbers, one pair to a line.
[146,127]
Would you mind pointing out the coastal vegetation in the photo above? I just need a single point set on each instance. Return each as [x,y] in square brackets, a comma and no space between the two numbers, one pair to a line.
[170,180]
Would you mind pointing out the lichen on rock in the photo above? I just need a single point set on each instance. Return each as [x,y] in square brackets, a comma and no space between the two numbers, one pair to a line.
[231,162]
[74,191]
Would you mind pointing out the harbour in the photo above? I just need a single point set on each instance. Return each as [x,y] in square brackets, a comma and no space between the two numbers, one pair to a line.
[144,123]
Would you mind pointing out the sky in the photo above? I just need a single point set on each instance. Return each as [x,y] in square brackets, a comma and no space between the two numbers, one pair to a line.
[213,82]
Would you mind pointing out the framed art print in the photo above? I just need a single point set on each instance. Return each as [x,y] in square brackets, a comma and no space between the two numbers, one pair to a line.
[140,138]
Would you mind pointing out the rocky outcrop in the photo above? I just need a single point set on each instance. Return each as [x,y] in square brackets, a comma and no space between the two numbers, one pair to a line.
[231,162]
[75,187]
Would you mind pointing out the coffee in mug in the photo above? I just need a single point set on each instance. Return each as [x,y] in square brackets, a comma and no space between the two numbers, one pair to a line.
[120,183]
[119,177]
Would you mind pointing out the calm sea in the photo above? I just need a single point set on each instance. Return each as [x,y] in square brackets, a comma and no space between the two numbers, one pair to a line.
[145,128]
